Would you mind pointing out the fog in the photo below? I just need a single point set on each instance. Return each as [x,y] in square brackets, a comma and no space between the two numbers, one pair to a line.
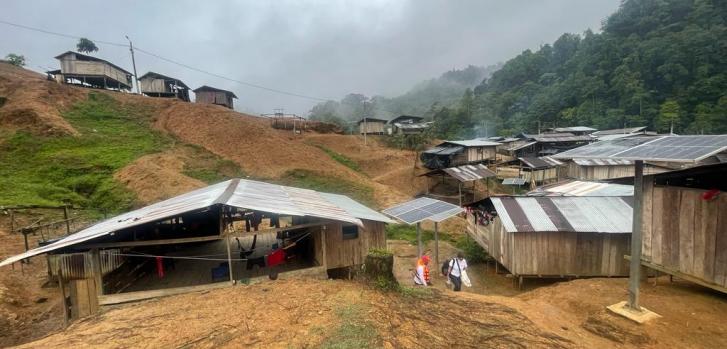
[320,49]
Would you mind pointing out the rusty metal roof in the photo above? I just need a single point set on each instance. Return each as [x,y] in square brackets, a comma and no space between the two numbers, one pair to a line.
[565,214]
[468,173]
[239,193]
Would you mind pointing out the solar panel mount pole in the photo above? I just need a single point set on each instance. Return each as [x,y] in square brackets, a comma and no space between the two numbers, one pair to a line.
[635,265]
[436,243]
[419,240]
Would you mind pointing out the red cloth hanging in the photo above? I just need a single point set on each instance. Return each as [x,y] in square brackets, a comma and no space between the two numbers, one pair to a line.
[160,267]
[276,257]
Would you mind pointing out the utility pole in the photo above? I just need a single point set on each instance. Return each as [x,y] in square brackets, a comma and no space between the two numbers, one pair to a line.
[366,128]
[133,63]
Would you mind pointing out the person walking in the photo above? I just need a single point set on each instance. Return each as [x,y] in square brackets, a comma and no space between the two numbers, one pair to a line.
[457,266]
[421,274]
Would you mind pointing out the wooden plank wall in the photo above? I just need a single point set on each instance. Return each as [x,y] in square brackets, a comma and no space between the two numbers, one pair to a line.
[370,127]
[553,253]
[344,253]
[684,233]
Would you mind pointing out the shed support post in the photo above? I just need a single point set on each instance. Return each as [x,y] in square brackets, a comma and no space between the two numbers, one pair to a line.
[460,194]
[229,259]
[635,265]
[97,275]
[62,288]
[419,240]
[436,243]
[65,216]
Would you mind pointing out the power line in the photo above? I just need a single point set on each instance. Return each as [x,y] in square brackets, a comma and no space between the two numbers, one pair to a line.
[293,94]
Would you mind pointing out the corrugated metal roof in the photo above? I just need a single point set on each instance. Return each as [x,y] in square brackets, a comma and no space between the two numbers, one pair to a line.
[355,209]
[474,143]
[574,129]
[468,173]
[549,139]
[602,162]
[564,214]
[541,162]
[619,131]
[584,188]
[513,181]
[444,150]
[611,137]
[239,193]
[521,146]
[421,209]
[418,126]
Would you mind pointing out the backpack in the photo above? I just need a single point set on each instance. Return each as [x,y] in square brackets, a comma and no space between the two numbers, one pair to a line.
[445,266]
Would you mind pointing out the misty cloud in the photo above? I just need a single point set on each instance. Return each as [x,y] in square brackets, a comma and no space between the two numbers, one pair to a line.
[319,48]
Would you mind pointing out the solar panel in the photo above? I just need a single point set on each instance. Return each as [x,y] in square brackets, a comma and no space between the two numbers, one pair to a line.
[513,181]
[665,148]
[420,209]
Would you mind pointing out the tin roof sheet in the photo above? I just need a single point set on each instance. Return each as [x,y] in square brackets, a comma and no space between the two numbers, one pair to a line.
[541,162]
[584,188]
[240,193]
[564,214]
[602,162]
[474,143]
[468,173]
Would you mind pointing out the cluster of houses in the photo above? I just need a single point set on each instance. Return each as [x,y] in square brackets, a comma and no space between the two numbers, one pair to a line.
[85,70]
[401,125]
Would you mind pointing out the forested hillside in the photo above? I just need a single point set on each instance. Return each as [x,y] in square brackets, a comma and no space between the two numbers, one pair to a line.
[655,63]
[445,90]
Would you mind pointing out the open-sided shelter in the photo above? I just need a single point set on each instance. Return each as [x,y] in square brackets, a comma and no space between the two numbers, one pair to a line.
[158,85]
[449,184]
[234,230]
[77,68]
[408,124]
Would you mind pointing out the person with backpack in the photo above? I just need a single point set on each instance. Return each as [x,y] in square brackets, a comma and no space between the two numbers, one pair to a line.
[421,274]
[457,266]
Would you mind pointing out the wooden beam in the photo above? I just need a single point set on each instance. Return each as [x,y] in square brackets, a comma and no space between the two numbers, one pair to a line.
[97,273]
[680,275]
[62,287]
[140,295]
[198,238]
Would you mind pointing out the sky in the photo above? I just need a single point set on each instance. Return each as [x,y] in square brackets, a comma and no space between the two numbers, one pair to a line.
[319,49]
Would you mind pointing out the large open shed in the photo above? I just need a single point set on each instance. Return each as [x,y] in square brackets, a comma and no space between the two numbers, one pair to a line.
[450,184]
[230,231]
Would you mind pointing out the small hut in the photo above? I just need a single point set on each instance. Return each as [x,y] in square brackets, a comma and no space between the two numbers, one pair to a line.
[90,71]
[211,95]
[554,236]
[535,171]
[158,85]
[408,124]
[547,144]
[457,153]
[599,169]
[371,126]
[450,184]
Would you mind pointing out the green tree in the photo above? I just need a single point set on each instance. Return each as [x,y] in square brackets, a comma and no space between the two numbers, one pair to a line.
[16,60]
[669,113]
[86,46]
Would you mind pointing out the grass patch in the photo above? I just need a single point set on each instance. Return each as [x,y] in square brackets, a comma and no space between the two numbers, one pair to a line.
[340,158]
[79,170]
[354,331]
[208,167]
[310,180]
[380,252]
[409,233]
[473,252]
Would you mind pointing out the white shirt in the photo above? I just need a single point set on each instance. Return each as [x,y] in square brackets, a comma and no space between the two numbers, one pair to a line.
[419,276]
[455,269]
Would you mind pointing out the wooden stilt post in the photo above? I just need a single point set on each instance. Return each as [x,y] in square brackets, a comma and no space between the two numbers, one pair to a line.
[229,259]
[635,265]
[65,217]
[97,275]
[436,243]
[419,240]
[460,193]
[62,288]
